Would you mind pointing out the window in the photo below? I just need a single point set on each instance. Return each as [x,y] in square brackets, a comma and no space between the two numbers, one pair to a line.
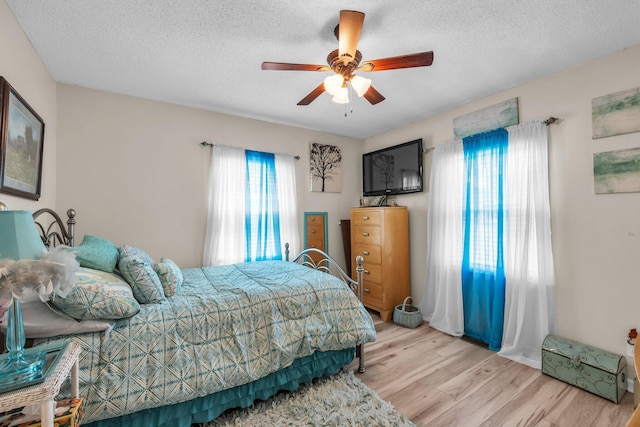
[262,219]
[252,206]
[483,212]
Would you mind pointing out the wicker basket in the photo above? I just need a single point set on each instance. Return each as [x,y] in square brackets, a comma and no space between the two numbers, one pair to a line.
[407,315]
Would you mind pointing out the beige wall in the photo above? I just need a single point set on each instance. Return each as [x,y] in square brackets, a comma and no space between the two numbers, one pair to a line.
[21,66]
[135,172]
[596,238]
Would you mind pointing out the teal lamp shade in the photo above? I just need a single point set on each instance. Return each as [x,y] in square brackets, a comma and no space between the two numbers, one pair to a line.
[19,238]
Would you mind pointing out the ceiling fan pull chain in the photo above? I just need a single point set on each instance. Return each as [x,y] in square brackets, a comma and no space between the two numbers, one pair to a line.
[348,104]
[351,93]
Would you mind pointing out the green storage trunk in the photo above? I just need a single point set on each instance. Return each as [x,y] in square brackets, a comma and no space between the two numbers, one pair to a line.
[597,371]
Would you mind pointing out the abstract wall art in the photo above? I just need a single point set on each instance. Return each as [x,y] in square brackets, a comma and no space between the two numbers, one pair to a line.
[617,171]
[496,116]
[616,114]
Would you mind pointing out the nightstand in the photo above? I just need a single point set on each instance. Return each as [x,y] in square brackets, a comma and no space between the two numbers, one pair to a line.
[45,392]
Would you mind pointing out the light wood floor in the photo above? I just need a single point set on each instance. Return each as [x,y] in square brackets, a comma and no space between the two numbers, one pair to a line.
[438,380]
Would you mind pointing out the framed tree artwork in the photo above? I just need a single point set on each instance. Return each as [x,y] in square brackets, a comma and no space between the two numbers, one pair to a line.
[21,141]
[326,168]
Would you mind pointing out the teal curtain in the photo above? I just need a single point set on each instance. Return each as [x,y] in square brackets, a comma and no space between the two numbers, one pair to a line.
[483,275]
[262,217]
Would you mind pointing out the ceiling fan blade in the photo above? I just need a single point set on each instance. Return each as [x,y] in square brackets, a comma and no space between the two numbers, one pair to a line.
[294,67]
[312,95]
[349,33]
[423,59]
[373,96]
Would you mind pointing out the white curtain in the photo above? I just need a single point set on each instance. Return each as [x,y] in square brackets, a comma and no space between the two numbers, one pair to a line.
[287,202]
[530,284]
[529,295]
[225,231]
[441,304]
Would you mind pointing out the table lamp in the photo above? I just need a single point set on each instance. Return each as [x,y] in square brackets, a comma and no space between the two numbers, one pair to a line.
[19,239]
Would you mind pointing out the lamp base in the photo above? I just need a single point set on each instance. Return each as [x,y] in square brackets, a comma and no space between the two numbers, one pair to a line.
[22,369]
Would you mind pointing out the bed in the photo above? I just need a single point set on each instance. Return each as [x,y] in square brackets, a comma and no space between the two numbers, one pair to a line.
[228,336]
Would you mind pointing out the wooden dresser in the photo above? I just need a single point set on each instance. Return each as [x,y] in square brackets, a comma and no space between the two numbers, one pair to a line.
[315,232]
[381,237]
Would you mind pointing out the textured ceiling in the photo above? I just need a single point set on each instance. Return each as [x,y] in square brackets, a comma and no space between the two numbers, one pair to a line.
[207,54]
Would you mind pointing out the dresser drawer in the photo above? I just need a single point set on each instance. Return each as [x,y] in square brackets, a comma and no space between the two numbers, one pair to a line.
[315,231]
[372,273]
[365,234]
[372,293]
[315,220]
[315,243]
[316,257]
[371,254]
[365,218]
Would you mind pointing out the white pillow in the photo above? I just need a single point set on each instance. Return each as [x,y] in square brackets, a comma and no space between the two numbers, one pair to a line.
[42,322]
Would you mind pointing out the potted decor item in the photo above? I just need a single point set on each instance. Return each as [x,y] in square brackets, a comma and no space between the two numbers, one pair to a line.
[631,341]
[407,315]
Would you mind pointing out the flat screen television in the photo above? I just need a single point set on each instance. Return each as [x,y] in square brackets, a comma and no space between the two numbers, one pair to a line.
[393,170]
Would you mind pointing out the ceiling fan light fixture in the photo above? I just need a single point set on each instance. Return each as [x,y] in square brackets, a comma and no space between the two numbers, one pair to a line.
[360,85]
[333,84]
[342,97]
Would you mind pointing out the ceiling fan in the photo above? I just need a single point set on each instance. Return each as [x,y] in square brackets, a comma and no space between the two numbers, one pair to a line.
[345,61]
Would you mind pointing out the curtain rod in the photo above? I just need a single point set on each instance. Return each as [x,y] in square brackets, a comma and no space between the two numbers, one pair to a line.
[208,144]
[551,120]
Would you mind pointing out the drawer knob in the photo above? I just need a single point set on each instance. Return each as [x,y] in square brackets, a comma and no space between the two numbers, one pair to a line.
[365,218]
[313,231]
[365,234]
[313,246]
[365,252]
[367,291]
[366,272]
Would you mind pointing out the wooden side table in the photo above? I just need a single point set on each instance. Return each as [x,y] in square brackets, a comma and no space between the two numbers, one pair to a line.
[44,393]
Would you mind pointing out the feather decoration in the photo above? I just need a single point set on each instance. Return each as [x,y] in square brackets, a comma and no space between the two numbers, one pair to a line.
[53,274]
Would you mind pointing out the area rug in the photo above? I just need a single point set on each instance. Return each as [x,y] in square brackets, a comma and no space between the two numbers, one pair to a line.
[339,400]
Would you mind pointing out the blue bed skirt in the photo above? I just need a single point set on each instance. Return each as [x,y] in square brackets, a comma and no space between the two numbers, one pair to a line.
[206,408]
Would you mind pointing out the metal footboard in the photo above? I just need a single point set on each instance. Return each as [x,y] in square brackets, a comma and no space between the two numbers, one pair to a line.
[328,265]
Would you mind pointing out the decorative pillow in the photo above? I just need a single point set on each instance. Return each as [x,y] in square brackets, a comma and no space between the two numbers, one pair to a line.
[137,268]
[98,295]
[96,253]
[137,253]
[41,322]
[170,276]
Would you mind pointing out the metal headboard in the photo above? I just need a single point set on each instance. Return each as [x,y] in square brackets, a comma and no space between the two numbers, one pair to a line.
[56,231]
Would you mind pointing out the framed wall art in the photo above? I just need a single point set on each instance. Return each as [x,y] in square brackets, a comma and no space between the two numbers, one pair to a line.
[326,168]
[495,116]
[21,142]
[616,114]
[617,171]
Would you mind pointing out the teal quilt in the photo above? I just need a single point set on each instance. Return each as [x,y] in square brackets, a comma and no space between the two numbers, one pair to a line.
[228,325]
